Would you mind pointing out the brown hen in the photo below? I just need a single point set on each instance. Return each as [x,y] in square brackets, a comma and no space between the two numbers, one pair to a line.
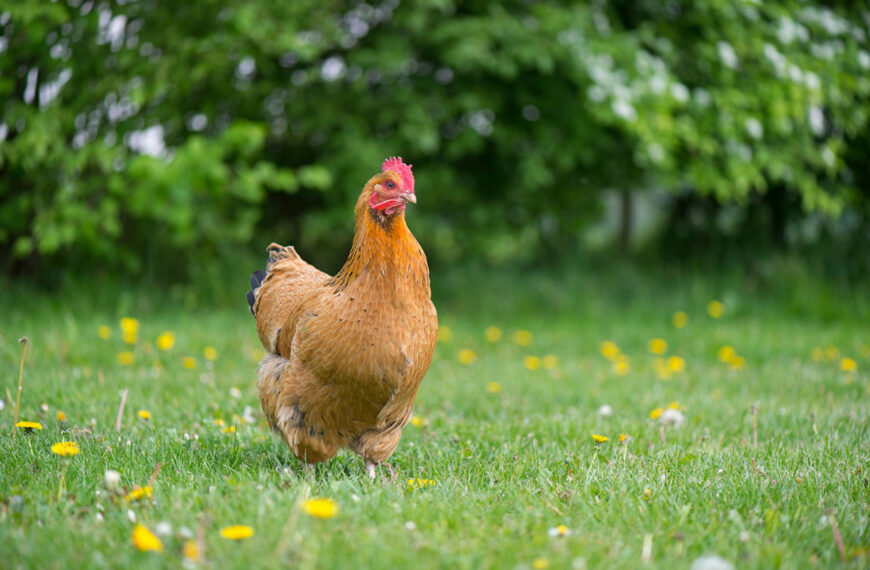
[346,354]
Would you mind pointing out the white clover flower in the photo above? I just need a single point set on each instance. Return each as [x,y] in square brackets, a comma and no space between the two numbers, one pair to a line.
[112,479]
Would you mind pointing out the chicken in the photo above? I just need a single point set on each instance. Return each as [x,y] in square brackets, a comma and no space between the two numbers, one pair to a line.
[346,354]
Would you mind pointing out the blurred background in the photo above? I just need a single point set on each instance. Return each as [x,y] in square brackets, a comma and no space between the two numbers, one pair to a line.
[172,141]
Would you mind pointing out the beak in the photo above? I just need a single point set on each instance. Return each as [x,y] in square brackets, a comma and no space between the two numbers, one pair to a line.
[408,197]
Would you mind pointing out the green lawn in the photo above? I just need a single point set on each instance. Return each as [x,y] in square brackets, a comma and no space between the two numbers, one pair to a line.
[509,461]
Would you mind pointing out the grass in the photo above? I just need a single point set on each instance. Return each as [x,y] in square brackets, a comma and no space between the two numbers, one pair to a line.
[510,461]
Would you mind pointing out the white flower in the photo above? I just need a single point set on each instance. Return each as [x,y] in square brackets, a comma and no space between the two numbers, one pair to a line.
[248,415]
[624,110]
[711,562]
[680,92]
[235,392]
[410,525]
[99,517]
[605,411]
[185,532]
[131,515]
[112,479]
[754,128]
[672,417]
[163,528]
[816,118]
[560,530]
[727,54]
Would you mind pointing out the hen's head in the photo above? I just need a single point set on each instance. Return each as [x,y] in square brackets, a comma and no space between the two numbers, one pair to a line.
[392,188]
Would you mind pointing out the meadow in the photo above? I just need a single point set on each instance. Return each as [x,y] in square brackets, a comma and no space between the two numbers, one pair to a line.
[735,415]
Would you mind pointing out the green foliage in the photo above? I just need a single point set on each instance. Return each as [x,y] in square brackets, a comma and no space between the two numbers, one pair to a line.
[516,115]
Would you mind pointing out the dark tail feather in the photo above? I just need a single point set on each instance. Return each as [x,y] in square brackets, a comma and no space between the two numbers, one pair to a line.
[256,280]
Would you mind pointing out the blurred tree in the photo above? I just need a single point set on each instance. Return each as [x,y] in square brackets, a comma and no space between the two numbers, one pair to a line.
[140,131]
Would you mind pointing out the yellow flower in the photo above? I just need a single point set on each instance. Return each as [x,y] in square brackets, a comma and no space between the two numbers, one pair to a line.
[656,413]
[715,309]
[466,356]
[848,365]
[104,332]
[129,330]
[188,362]
[219,422]
[417,421]
[660,365]
[139,493]
[65,448]
[550,361]
[493,387]
[726,353]
[540,564]
[420,483]
[61,417]
[166,341]
[237,532]
[445,333]
[674,406]
[646,494]
[680,319]
[210,353]
[229,429]
[818,354]
[29,426]
[598,438]
[560,530]
[622,366]
[145,540]
[609,349]
[126,358]
[658,346]
[622,438]
[737,363]
[144,414]
[320,508]
[522,338]
[493,334]
[190,551]
[676,364]
[832,353]
[532,362]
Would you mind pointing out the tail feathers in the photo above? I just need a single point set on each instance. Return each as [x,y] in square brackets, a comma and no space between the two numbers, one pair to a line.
[276,253]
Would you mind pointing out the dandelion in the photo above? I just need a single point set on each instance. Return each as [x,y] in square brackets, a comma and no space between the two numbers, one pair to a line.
[493,387]
[28,426]
[658,346]
[466,356]
[726,353]
[550,361]
[129,330]
[104,332]
[715,309]
[320,508]
[190,551]
[417,421]
[139,493]
[166,340]
[540,564]
[848,365]
[445,334]
[144,414]
[674,406]
[219,422]
[61,417]
[65,448]
[621,365]
[599,438]
[832,353]
[646,494]
[656,413]
[680,319]
[210,353]
[532,362]
[145,540]
[672,417]
[818,354]
[623,438]
[605,411]
[676,364]
[493,334]
[188,362]
[420,483]
[237,532]
[737,363]
[522,338]
[126,358]
[609,349]
[229,429]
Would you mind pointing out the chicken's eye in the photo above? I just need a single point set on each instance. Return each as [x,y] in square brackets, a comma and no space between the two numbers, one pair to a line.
[391,184]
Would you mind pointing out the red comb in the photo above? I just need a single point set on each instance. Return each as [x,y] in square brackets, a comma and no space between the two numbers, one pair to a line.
[404,170]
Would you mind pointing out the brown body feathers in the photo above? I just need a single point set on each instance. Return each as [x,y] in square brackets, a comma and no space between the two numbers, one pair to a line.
[346,354]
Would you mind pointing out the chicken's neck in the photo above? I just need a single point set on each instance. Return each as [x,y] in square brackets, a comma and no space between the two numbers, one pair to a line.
[385,257]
